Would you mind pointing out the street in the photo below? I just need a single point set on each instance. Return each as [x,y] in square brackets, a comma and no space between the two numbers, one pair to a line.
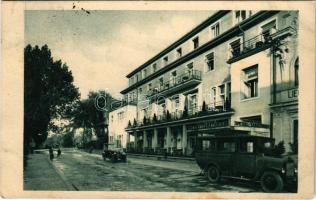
[82,171]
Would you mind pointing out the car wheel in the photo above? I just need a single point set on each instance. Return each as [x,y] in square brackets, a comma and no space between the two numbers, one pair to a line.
[271,182]
[213,174]
[113,158]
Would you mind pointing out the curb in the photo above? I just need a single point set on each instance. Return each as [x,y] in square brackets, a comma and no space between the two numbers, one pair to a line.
[70,187]
[162,158]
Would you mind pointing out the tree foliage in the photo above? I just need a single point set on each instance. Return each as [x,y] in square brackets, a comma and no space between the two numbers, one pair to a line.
[93,113]
[49,92]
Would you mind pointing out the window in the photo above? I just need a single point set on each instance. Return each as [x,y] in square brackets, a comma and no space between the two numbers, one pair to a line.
[137,78]
[145,73]
[208,145]
[240,15]
[173,77]
[215,30]
[190,65]
[131,81]
[250,82]
[193,103]
[149,86]
[213,96]
[176,103]
[226,146]
[210,62]
[165,60]
[120,115]
[268,29]
[161,82]
[154,67]
[195,42]
[235,48]
[246,147]
[222,93]
[229,90]
[179,52]
[296,74]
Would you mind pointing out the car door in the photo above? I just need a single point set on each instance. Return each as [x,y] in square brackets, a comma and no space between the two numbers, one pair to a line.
[244,160]
[226,148]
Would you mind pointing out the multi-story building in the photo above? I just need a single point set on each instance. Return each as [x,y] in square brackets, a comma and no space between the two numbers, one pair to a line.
[231,73]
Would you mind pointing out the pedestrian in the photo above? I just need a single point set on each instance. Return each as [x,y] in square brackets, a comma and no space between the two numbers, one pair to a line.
[51,153]
[58,152]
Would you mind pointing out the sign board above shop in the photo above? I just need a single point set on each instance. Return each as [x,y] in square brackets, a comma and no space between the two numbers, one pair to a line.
[208,125]
[287,95]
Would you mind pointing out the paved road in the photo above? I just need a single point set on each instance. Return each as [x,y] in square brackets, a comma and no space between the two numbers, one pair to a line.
[84,171]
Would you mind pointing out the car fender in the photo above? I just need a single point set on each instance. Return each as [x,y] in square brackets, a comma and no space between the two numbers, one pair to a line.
[268,168]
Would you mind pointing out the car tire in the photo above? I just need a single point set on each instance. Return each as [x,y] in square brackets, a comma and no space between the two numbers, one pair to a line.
[113,158]
[213,174]
[271,182]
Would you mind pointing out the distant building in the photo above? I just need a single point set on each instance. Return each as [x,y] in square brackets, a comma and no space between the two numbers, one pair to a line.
[235,72]
[118,121]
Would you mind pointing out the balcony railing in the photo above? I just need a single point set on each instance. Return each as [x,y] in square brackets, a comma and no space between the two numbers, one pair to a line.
[198,111]
[177,81]
[261,41]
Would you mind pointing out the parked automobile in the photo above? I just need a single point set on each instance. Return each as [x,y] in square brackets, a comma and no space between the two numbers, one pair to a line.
[247,157]
[114,154]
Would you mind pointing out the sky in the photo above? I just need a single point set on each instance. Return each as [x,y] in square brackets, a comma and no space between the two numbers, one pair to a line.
[102,47]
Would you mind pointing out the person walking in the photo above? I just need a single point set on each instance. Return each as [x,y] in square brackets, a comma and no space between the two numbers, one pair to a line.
[51,153]
[58,152]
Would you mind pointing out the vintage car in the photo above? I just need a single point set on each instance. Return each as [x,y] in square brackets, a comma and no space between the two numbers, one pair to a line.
[247,157]
[114,154]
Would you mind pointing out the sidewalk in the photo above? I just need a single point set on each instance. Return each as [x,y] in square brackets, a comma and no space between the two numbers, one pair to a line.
[40,174]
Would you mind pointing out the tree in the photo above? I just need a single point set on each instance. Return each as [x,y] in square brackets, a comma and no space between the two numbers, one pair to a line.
[68,139]
[185,112]
[93,113]
[204,109]
[155,118]
[49,93]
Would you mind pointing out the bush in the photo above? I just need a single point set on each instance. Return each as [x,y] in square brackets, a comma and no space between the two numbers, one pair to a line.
[279,149]
[135,122]
[185,112]
[155,118]
[168,115]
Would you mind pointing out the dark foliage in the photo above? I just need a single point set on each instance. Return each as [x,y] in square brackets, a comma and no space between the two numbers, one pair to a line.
[155,118]
[168,115]
[134,122]
[49,93]
[93,112]
[185,112]
[68,139]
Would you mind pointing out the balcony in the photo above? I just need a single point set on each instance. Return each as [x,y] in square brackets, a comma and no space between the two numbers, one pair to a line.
[181,115]
[185,80]
[258,43]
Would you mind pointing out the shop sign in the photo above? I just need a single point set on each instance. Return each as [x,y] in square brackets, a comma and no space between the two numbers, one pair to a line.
[206,125]
[287,95]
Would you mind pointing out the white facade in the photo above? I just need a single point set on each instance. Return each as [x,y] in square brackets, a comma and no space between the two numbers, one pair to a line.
[118,121]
